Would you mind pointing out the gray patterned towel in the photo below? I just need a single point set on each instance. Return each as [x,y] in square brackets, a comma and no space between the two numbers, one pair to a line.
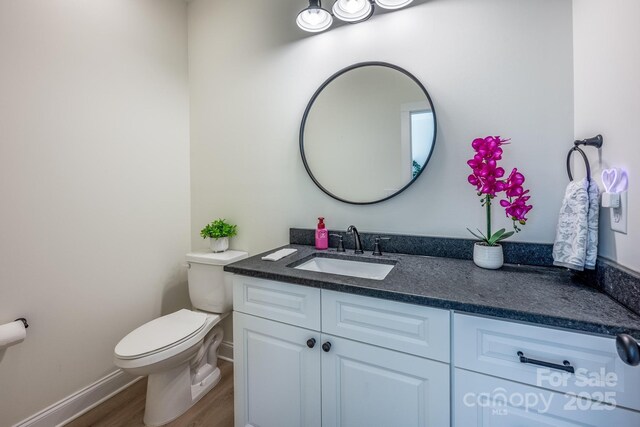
[576,244]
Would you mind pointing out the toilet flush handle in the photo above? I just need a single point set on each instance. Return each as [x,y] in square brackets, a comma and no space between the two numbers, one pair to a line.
[187,265]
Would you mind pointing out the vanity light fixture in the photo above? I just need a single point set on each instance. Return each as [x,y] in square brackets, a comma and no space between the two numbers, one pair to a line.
[392,4]
[352,10]
[315,19]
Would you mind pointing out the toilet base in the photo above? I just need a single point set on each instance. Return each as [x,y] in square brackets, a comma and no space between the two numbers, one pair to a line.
[170,394]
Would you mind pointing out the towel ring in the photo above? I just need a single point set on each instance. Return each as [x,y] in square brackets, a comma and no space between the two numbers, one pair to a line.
[595,141]
[586,163]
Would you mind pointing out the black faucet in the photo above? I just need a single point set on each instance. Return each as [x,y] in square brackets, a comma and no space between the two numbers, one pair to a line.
[356,239]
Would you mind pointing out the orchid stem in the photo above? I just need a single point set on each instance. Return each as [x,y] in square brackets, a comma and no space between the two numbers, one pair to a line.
[488,205]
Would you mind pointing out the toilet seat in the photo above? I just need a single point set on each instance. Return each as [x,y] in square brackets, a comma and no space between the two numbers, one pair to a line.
[160,333]
[163,338]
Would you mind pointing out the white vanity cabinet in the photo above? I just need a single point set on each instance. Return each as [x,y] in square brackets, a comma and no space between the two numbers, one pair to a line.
[370,370]
[306,357]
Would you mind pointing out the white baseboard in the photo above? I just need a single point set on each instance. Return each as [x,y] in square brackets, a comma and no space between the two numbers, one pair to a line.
[78,403]
[225,351]
[82,401]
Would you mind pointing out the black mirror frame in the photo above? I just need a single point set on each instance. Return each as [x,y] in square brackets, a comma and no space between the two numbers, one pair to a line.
[325,84]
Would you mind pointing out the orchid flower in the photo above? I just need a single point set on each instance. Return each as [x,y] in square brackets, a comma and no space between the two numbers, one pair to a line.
[487,179]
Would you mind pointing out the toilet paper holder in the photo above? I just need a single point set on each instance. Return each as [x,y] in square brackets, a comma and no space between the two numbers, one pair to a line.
[23,320]
[13,333]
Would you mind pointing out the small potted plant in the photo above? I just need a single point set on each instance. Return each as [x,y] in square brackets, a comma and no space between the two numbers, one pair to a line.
[218,233]
[486,177]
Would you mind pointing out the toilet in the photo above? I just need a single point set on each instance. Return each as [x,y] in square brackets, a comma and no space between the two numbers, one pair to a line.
[179,351]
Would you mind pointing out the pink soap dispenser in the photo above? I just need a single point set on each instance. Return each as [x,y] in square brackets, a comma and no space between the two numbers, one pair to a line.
[322,235]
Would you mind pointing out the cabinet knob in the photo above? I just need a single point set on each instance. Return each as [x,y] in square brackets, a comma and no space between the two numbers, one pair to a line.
[628,349]
[326,346]
[311,342]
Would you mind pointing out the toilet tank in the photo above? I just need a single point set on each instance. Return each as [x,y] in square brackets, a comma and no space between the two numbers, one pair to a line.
[210,287]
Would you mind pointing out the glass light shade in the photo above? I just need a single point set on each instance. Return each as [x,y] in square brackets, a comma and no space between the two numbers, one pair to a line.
[314,18]
[392,4]
[352,10]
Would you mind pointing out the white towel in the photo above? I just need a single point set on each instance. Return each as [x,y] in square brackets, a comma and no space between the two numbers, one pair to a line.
[275,256]
[576,244]
[592,224]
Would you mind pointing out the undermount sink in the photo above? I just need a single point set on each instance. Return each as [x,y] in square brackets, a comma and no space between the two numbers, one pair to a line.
[347,267]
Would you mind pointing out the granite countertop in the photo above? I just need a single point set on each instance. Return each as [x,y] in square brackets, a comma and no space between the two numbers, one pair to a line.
[543,295]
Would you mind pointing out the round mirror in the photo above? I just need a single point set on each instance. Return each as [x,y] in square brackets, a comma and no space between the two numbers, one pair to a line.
[367,133]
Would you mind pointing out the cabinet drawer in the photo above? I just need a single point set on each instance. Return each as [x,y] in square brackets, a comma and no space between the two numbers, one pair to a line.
[482,401]
[283,302]
[491,347]
[409,328]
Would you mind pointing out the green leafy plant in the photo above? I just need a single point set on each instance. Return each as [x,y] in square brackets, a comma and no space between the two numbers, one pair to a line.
[416,168]
[219,228]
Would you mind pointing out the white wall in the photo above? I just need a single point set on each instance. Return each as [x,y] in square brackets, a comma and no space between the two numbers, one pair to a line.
[94,183]
[501,67]
[607,101]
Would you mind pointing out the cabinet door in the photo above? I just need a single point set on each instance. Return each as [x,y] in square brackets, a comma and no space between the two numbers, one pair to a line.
[276,375]
[481,400]
[368,386]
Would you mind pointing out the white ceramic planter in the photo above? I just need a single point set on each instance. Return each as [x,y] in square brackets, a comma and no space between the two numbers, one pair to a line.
[219,245]
[489,257]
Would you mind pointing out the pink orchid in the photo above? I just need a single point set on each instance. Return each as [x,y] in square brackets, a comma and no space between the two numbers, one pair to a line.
[486,178]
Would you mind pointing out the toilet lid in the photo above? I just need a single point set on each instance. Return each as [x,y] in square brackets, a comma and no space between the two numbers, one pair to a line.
[160,333]
[220,258]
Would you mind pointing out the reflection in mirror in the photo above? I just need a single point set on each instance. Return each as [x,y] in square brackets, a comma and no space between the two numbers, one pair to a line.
[367,133]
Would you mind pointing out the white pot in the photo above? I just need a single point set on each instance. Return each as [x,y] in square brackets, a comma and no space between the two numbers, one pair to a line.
[219,245]
[486,256]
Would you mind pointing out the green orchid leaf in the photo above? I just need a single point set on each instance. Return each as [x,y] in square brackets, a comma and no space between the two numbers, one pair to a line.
[496,236]
[482,234]
[506,235]
[481,237]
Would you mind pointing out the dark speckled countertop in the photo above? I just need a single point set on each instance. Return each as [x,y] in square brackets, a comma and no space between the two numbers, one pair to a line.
[543,295]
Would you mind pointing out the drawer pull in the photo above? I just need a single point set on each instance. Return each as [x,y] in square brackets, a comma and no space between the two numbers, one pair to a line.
[566,365]
[326,347]
[311,342]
